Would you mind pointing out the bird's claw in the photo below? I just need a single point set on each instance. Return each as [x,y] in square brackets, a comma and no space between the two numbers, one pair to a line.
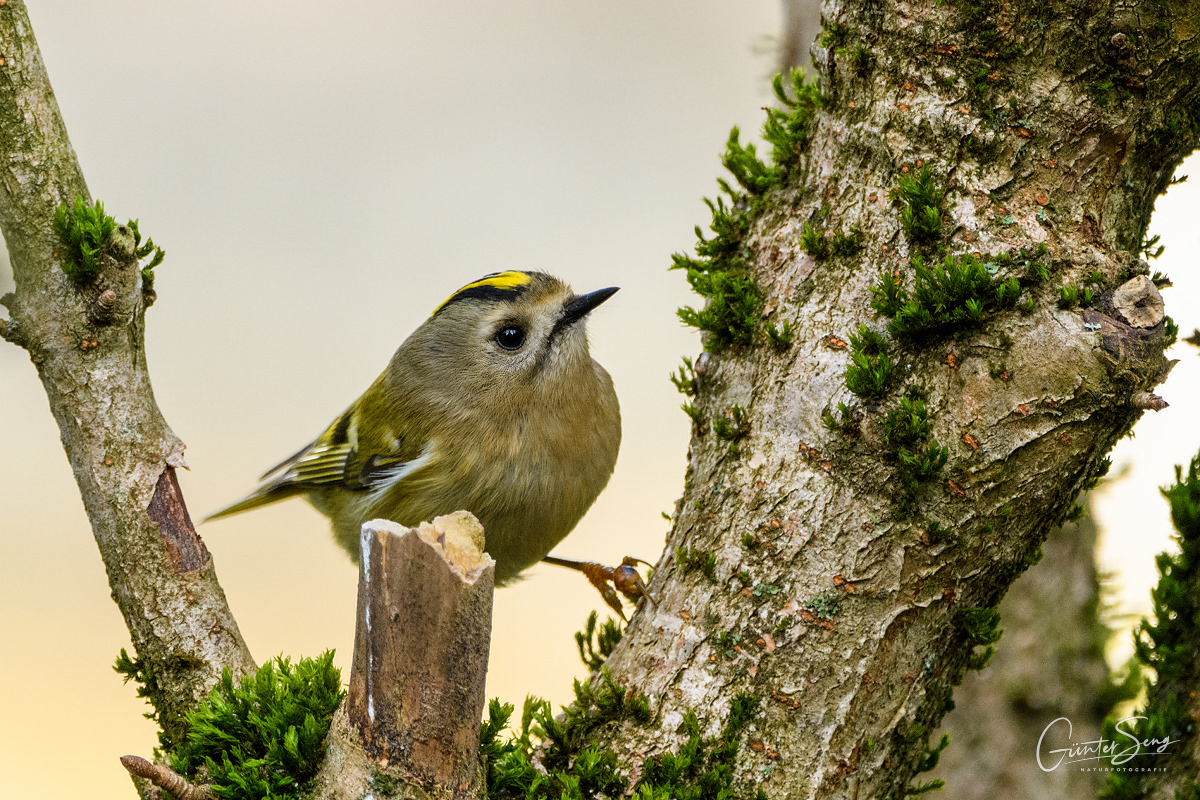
[609,580]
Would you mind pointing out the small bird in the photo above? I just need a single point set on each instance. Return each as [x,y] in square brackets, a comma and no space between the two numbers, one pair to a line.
[492,405]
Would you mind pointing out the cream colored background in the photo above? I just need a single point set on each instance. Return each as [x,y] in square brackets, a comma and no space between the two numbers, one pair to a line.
[322,175]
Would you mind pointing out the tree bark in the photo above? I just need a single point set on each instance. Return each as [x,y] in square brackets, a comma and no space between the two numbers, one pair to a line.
[1049,664]
[421,645]
[93,367]
[1047,123]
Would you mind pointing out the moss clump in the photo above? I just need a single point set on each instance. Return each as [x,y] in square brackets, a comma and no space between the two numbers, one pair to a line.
[779,336]
[511,775]
[845,422]
[596,641]
[720,273]
[702,769]
[981,628]
[813,242]
[871,370]
[1071,296]
[265,736]
[684,378]
[821,246]
[920,200]
[732,427]
[1167,644]
[149,249]
[693,560]
[732,310]
[927,763]
[945,298]
[83,231]
[917,455]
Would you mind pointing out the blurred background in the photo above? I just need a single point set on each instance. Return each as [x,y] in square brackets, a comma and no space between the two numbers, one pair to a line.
[322,177]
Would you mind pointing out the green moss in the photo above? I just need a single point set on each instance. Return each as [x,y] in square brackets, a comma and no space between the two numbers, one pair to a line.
[1071,296]
[871,370]
[693,560]
[1150,248]
[685,378]
[945,298]
[509,770]
[596,641]
[1170,332]
[155,253]
[834,35]
[702,769]
[265,736]
[819,245]
[920,200]
[813,242]
[732,427]
[981,628]
[780,337]
[846,421]
[720,274]
[847,245]
[1167,644]
[380,782]
[731,314]
[917,456]
[789,126]
[695,414]
[83,231]
[926,763]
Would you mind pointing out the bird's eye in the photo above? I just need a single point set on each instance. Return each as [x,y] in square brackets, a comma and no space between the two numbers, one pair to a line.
[510,337]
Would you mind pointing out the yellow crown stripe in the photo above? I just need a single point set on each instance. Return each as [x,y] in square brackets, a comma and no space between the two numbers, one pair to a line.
[504,281]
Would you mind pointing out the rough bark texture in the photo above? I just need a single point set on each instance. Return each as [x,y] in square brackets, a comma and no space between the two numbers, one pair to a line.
[1103,107]
[1049,664]
[87,344]
[416,692]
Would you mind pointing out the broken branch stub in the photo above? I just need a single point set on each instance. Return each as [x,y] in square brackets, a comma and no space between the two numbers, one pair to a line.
[416,693]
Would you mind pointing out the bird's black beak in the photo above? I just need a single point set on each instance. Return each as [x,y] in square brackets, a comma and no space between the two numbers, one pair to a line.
[577,307]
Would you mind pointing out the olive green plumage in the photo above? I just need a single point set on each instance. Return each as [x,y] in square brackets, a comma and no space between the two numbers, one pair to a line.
[493,405]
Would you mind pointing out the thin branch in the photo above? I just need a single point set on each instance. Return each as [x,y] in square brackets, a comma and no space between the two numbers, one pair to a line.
[166,778]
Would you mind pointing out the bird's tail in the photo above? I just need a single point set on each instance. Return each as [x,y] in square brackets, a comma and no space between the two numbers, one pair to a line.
[264,495]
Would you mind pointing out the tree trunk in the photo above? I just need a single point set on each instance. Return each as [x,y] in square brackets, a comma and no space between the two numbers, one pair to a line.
[818,572]
[825,587]
[1050,664]
[87,343]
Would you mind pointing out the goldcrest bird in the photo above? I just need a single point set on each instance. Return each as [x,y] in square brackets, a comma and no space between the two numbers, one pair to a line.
[492,405]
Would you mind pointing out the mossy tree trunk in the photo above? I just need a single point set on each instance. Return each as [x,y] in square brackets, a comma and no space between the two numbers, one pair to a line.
[840,581]
[1049,664]
[86,340]
[824,588]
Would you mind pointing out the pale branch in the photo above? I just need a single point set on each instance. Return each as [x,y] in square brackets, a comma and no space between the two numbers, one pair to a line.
[416,692]
[87,342]
[166,778]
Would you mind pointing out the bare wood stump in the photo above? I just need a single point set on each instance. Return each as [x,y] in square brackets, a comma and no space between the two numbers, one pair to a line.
[410,723]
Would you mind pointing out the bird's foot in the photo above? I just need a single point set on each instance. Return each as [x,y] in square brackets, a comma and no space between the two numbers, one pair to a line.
[623,578]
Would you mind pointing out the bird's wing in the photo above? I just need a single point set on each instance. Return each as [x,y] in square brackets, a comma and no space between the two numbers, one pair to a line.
[343,457]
